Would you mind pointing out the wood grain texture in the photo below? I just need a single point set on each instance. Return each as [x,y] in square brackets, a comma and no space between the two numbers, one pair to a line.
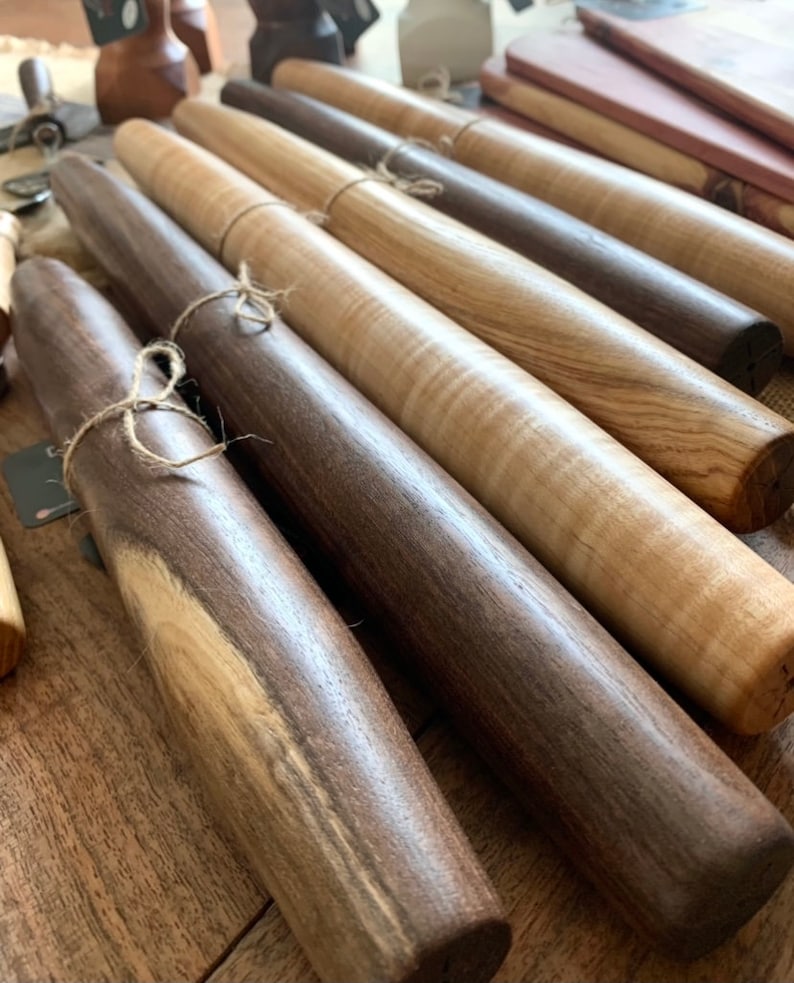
[341,820]
[10,231]
[727,338]
[573,65]
[146,74]
[749,77]
[618,142]
[450,585]
[12,624]
[111,862]
[735,256]
[691,599]
[732,456]
[562,934]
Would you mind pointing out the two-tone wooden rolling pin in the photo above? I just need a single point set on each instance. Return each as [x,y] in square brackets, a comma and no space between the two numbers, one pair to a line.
[283,717]
[730,454]
[731,254]
[517,662]
[672,582]
[734,342]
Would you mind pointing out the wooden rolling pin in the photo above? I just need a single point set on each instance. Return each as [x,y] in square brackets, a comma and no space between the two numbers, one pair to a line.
[731,254]
[679,588]
[730,454]
[738,344]
[450,584]
[10,231]
[283,716]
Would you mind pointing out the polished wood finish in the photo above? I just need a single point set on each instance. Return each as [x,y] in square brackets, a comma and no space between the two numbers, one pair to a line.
[735,256]
[729,454]
[616,141]
[12,624]
[304,755]
[147,74]
[575,66]
[10,230]
[195,24]
[291,29]
[722,335]
[743,73]
[450,584]
[573,495]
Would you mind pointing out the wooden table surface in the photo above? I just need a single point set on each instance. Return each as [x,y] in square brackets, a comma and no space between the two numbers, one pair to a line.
[112,868]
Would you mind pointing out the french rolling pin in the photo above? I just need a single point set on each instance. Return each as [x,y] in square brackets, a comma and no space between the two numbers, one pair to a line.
[729,339]
[281,713]
[451,585]
[730,253]
[651,565]
[730,454]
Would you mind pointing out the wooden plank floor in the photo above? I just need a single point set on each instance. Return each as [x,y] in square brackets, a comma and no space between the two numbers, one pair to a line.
[111,865]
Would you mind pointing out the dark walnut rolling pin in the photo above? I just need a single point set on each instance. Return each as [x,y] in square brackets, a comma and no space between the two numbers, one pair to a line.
[731,254]
[670,580]
[516,660]
[730,454]
[280,711]
[734,342]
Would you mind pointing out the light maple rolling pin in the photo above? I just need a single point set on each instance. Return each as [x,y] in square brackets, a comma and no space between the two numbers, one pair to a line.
[730,454]
[10,230]
[452,585]
[674,584]
[731,254]
[298,744]
[738,344]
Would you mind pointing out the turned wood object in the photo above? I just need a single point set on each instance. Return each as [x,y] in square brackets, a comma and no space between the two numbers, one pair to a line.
[652,566]
[10,231]
[146,74]
[731,254]
[730,454]
[12,624]
[593,131]
[736,343]
[284,718]
[451,584]
[291,29]
[195,24]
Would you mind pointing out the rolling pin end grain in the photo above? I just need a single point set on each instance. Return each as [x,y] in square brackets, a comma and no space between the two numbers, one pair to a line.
[471,957]
[767,491]
[752,360]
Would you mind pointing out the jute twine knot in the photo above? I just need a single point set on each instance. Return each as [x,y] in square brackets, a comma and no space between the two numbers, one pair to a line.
[437,84]
[416,187]
[246,291]
[133,403]
[446,144]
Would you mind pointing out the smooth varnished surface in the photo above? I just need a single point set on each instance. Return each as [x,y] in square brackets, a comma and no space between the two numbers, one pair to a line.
[9,240]
[733,255]
[736,343]
[451,586]
[722,625]
[286,723]
[732,456]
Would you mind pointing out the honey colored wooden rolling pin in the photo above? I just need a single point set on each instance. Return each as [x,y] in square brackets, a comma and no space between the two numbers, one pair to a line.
[731,254]
[675,584]
[516,660]
[730,454]
[724,336]
[10,230]
[284,718]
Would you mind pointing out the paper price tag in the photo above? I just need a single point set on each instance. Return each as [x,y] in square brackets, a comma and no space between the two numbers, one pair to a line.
[114,20]
[35,479]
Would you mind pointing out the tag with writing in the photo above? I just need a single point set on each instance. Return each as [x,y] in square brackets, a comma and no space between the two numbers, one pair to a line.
[35,479]
[114,20]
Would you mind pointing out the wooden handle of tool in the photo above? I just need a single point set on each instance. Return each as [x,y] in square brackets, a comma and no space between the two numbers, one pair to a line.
[291,29]
[146,74]
[36,82]
[451,584]
[195,24]
[730,454]
[282,714]
[12,624]
[654,567]
[731,254]
[738,344]
[10,231]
